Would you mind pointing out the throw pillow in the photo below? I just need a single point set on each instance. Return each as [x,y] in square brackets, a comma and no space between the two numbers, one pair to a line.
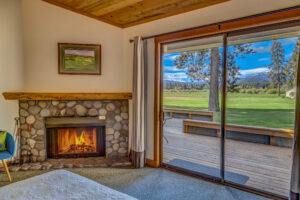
[3,140]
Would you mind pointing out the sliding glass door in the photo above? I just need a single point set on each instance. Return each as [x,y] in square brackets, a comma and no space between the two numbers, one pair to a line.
[192,76]
[230,115]
[260,108]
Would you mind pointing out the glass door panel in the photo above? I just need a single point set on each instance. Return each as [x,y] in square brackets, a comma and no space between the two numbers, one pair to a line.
[191,102]
[260,108]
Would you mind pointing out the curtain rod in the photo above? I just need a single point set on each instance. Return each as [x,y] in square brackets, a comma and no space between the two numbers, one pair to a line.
[220,23]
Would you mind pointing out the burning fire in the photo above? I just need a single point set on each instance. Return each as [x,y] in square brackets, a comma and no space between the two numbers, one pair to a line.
[81,139]
[69,141]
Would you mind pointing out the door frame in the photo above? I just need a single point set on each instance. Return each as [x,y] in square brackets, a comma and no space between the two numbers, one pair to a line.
[263,22]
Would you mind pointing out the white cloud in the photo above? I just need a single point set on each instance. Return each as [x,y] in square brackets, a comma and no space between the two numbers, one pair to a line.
[170,57]
[262,49]
[254,71]
[181,76]
[263,59]
[171,69]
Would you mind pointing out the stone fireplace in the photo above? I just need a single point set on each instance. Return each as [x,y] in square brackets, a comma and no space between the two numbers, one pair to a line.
[101,129]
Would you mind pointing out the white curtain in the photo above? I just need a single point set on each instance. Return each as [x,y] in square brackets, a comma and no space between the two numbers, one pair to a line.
[139,116]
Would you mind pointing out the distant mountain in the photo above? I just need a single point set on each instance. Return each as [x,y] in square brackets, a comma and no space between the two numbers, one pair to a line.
[261,77]
[186,82]
[169,81]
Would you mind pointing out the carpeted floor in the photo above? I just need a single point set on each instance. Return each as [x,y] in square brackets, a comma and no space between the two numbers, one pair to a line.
[150,183]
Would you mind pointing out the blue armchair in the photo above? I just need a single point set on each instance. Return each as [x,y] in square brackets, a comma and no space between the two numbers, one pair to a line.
[9,153]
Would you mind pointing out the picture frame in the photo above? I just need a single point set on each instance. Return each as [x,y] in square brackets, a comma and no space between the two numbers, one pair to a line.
[79,59]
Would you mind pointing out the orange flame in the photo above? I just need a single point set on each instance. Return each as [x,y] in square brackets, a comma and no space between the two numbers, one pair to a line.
[81,139]
[68,138]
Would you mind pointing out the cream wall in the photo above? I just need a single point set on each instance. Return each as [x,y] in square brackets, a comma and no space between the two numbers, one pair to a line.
[217,13]
[11,60]
[44,26]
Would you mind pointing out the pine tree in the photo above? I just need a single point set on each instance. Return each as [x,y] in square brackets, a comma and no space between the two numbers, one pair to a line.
[277,67]
[204,66]
[213,103]
[194,62]
[233,73]
[291,68]
[238,51]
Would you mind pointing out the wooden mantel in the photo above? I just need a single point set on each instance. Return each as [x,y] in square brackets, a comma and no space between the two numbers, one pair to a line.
[65,96]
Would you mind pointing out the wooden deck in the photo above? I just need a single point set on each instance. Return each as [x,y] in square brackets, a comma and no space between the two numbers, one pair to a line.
[267,167]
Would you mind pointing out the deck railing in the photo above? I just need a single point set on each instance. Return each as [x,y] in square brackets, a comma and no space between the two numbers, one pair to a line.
[272,132]
[208,115]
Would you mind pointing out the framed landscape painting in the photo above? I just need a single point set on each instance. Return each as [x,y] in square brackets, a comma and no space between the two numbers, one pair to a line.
[79,58]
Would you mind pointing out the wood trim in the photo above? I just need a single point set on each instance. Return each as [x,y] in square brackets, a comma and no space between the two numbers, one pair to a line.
[82,13]
[283,16]
[157,105]
[286,133]
[176,12]
[152,163]
[65,96]
[190,34]
[224,22]
[232,25]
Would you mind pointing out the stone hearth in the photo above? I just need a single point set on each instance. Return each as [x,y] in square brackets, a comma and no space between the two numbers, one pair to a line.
[72,163]
[34,113]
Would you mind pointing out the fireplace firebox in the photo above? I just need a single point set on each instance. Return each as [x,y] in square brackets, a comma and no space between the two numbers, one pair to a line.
[69,138]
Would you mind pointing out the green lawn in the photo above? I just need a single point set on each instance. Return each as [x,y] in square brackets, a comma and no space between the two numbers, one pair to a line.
[264,110]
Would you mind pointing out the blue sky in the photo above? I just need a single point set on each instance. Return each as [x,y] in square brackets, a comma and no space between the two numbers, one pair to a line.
[251,64]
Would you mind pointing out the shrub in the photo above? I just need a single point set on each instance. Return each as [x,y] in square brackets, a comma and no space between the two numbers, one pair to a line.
[272,91]
[282,91]
[242,90]
[260,91]
[252,91]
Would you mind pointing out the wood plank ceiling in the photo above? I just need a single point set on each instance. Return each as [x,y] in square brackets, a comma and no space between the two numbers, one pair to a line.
[126,13]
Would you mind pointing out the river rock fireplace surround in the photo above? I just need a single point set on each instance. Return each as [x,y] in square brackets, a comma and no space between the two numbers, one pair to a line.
[101,129]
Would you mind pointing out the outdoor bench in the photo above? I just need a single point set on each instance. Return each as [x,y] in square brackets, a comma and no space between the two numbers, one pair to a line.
[272,136]
[189,114]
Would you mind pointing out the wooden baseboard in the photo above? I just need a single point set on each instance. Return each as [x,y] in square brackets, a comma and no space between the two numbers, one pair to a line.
[152,163]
